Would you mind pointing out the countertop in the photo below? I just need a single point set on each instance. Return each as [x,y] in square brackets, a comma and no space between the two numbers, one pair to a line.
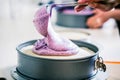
[19,28]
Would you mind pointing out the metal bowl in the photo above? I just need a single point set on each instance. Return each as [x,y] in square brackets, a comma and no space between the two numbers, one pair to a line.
[37,68]
[74,20]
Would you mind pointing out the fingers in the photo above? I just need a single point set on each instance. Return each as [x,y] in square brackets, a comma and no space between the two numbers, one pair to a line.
[94,22]
[83,1]
[94,26]
[79,8]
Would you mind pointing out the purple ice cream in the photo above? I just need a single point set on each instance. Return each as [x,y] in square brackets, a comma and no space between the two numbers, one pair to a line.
[52,44]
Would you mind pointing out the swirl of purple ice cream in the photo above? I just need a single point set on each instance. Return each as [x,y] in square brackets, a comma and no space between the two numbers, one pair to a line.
[52,44]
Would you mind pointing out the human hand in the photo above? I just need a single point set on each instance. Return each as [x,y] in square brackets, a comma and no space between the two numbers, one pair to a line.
[99,4]
[98,19]
[79,7]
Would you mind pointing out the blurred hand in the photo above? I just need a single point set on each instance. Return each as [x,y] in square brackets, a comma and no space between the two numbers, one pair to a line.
[79,7]
[98,19]
[99,4]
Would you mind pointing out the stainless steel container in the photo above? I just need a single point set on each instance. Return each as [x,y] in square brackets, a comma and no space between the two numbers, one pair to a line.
[71,20]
